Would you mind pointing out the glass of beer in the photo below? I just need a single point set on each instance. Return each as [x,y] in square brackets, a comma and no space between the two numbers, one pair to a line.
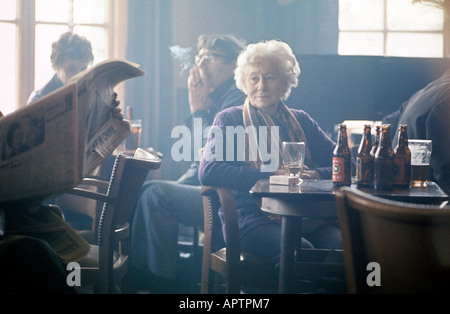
[133,140]
[293,157]
[420,161]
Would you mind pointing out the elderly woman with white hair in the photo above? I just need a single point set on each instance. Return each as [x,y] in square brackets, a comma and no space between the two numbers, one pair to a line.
[266,72]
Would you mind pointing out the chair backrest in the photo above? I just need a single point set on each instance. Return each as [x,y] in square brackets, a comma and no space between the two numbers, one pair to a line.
[239,269]
[211,219]
[393,247]
[223,256]
[127,178]
[216,198]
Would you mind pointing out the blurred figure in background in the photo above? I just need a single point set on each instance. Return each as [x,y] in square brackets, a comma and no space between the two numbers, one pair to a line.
[427,114]
[71,54]
[164,204]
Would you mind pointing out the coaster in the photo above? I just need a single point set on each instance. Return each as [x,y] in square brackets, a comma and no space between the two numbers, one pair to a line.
[283,180]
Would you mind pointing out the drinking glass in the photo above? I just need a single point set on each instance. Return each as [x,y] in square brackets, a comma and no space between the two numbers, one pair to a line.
[293,157]
[133,141]
[420,161]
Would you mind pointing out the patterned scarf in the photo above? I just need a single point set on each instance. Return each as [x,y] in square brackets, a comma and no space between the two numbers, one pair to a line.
[256,117]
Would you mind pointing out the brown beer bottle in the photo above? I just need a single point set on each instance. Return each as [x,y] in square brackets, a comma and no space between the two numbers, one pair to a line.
[384,161]
[402,159]
[363,158]
[342,160]
[376,141]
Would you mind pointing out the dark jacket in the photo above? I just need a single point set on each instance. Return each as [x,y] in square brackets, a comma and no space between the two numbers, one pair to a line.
[51,86]
[427,115]
[225,96]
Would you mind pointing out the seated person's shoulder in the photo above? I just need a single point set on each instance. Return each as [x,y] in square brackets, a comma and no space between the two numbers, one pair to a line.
[230,111]
[229,116]
[441,111]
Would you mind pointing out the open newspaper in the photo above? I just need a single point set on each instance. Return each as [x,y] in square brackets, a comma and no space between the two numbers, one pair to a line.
[49,146]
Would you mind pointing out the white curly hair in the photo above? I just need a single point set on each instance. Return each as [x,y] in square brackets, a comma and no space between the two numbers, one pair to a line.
[278,52]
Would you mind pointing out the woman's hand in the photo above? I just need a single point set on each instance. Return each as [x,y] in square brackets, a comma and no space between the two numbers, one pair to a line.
[309,174]
[305,174]
[280,172]
[199,90]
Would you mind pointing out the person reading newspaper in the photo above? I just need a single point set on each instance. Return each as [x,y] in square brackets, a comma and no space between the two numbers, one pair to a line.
[71,54]
[29,264]
[67,133]
[33,247]
[72,130]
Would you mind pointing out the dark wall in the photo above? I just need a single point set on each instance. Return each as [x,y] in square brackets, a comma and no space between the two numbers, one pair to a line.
[337,88]
[151,96]
[308,26]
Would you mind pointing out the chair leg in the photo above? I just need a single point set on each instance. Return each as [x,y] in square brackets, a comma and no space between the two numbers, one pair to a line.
[194,259]
[127,286]
[233,286]
[216,283]
[206,285]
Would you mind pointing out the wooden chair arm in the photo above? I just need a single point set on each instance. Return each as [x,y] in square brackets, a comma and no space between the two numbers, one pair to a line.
[95,182]
[207,191]
[89,194]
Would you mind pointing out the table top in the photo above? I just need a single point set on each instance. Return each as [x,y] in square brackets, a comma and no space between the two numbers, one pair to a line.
[323,190]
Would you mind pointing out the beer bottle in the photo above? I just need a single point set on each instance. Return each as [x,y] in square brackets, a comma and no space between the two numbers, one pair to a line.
[363,158]
[384,161]
[342,160]
[376,141]
[402,158]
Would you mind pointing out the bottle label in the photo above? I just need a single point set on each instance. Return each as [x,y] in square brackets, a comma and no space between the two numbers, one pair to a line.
[358,169]
[338,174]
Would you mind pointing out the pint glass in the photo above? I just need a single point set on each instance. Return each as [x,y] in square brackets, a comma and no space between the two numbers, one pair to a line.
[420,161]
[133,141]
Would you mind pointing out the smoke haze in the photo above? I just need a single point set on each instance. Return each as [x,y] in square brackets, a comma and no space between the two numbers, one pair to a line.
[183,56]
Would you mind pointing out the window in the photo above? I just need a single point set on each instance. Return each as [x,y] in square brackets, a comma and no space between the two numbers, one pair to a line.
[8,29]
[28,29]
[404,28]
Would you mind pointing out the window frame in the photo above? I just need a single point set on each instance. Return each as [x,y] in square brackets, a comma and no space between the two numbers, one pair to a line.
[25,49]
[385,31]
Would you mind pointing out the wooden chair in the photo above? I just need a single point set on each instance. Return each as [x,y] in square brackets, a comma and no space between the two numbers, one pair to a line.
[238,269]
[316,270]
[108,260]
[410,244]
